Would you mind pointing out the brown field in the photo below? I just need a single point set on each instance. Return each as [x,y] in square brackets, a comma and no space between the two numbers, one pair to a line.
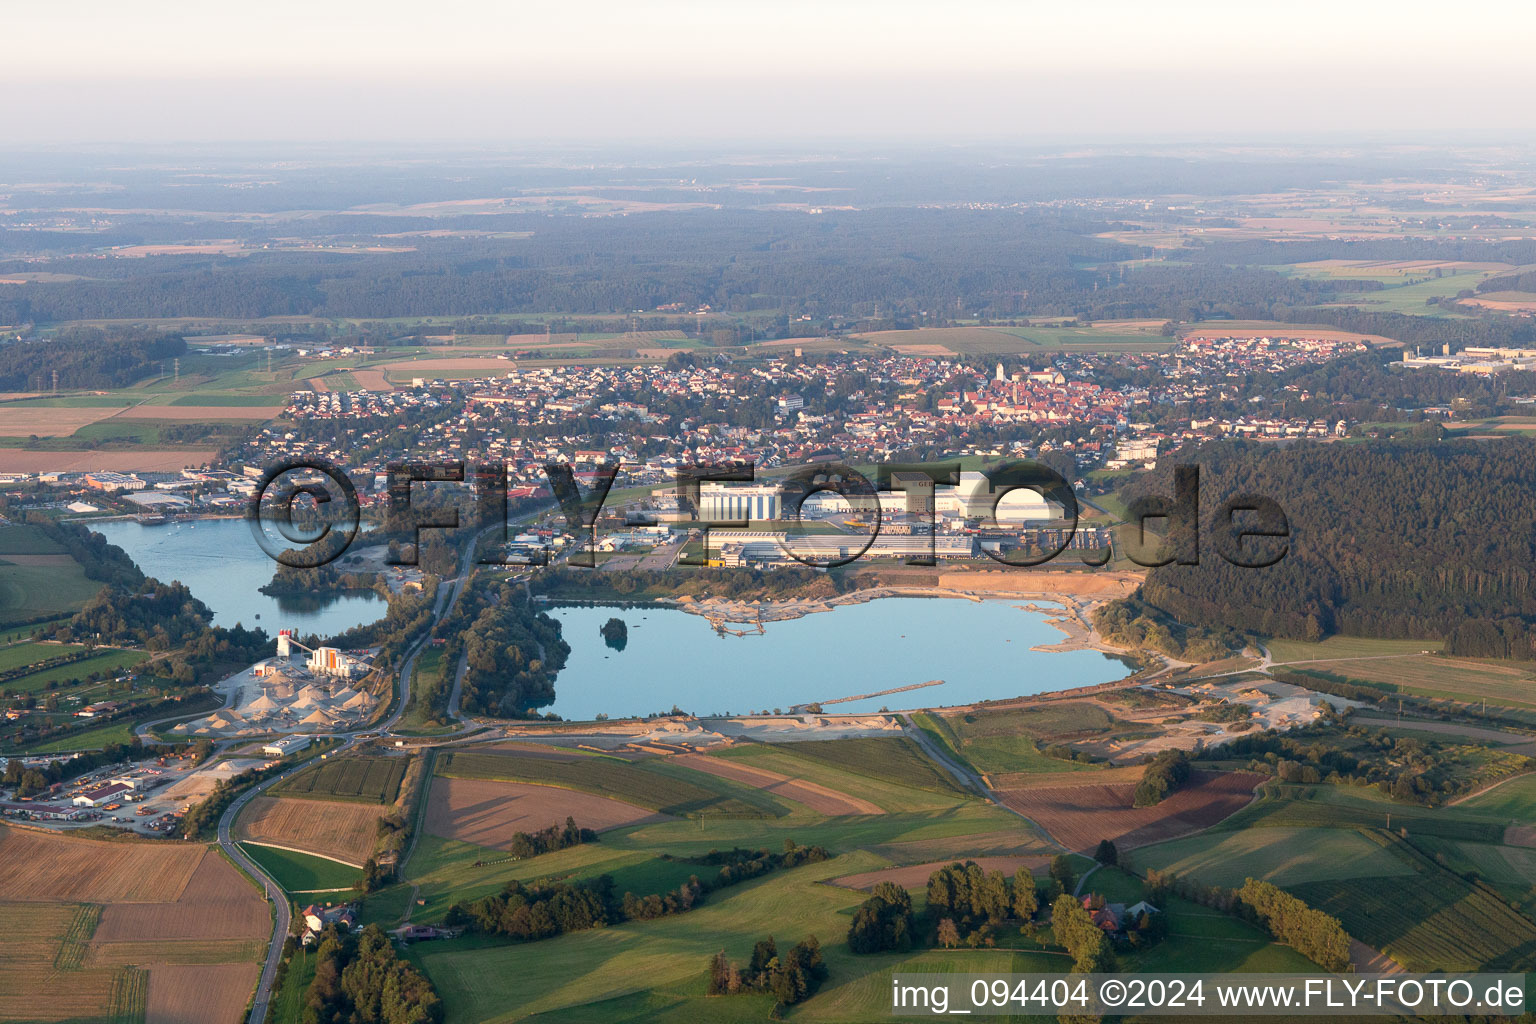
[17,460]
[200,412]
[218,902]
[818,798]
[489,813]
[341,830]
[38,867]
[213,994]
[177,951]
[46,421]
[1508,302]
[923,350]
[372,380]
[33,993]
[32,932]
[206,913]
[1079,816]
[915,876]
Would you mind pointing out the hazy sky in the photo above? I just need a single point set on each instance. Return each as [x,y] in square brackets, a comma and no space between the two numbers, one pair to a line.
[505,72]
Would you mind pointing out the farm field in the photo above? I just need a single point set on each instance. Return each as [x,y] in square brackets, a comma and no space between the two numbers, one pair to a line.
[36,866]
[1284,856]
[109,660]
[1282,806]
[1468,680]
[1081,815]
[23,654]
[891,794]
[898,760]
[372,780]
[147,460]
[34,585]
[1439,921]
[1336,648]
[488,813]
[344,830]
[818,798]
[1121,336]
[656,786]
[996,742]
[200,994]
[89,925]
[1514,800]
[301,872]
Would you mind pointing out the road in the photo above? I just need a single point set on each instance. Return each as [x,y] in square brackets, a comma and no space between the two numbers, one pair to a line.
[447,596]
[967,778]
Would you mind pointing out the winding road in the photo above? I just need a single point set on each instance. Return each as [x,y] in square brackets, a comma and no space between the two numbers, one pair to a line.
[448,594]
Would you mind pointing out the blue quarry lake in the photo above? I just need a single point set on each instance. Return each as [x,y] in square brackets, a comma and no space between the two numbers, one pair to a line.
[980,649]
[220,562]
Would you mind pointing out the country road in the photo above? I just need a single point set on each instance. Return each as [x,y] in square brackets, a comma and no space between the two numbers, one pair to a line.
[447,596]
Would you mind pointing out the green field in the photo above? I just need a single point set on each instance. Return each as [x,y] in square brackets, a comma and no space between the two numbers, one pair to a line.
[300,872]
[653,971]
[19,655]
[1438,921]
[1344,647]
[1323,806]
[1284,856]
[91,739]
[22,539]
[996,742]
[898,760]
[30,591]
[287,1005]
[108,661]
[362,779]
[1468,680]
[1514,800]
[656,785]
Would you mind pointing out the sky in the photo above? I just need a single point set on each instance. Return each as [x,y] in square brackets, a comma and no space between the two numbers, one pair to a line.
[95,71]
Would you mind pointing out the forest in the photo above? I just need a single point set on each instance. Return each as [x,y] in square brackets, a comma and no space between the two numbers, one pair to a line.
[84,358]
[888,261]
[1386,539]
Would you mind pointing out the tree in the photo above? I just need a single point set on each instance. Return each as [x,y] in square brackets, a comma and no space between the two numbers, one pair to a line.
[1106,853]
[882,922]
[1083,940]
[1062,873]
[1025,900]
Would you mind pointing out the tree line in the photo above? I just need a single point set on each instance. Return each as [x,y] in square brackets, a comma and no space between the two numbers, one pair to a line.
[546,908]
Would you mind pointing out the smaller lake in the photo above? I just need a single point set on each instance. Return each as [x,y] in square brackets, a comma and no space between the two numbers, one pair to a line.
[221,563]
[980,650]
